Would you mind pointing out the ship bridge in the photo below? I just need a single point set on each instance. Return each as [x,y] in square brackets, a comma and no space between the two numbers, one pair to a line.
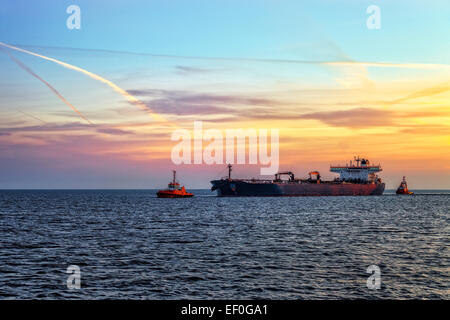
[361,169]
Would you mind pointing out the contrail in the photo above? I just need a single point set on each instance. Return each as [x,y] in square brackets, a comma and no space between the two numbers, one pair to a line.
[160,55]
[443,87]
[345,62]
[116,88]
[27,69]
[31,116]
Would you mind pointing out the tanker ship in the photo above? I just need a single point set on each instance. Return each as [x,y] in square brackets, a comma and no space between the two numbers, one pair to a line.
[356,178]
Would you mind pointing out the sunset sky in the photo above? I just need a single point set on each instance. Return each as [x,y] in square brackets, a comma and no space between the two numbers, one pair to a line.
[311,69]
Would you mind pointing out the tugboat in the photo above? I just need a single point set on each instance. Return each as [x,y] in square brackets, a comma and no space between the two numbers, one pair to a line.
[403,188]
[174,190]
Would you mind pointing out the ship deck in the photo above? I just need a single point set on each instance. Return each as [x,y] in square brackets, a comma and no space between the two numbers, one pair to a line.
[262,181]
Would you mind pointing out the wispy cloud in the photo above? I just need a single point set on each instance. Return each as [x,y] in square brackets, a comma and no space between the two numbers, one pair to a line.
[427,130]
[130,98]
[359,117]
[47,127]
[186,70]
[56,92]
[366,117]
[343,62]
[32,116]
[441,88]
[193,103]
[426,66]
[194,97]
[114,131]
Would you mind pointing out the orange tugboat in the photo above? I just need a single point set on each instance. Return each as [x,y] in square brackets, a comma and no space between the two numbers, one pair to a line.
[174,190]
[403,188]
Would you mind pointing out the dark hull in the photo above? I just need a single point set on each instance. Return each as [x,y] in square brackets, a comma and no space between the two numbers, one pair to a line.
[174,196]
[255,189]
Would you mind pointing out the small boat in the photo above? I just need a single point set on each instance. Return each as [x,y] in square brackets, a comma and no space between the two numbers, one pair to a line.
[174,190]
[403,188]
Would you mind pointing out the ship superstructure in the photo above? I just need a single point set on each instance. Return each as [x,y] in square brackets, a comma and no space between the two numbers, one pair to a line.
[355,179]
[361,170]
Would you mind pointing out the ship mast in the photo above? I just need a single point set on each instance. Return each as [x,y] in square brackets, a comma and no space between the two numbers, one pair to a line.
[357,159]
[174,176]
[229,171]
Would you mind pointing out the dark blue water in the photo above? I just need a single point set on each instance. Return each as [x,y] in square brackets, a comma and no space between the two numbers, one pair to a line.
[130,244]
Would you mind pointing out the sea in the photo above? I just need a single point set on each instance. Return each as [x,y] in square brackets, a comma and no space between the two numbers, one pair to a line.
[129,244]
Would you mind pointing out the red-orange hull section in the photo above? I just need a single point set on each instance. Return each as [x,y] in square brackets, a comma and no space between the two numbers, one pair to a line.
[173,194]
[404,192]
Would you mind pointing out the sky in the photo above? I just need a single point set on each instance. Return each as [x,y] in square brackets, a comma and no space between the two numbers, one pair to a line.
[138,70]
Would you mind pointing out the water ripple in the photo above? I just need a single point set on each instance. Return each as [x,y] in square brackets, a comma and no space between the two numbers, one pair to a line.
[130,244]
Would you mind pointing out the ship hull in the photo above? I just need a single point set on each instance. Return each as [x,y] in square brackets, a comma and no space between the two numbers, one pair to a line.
[254,189]
[173,194]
